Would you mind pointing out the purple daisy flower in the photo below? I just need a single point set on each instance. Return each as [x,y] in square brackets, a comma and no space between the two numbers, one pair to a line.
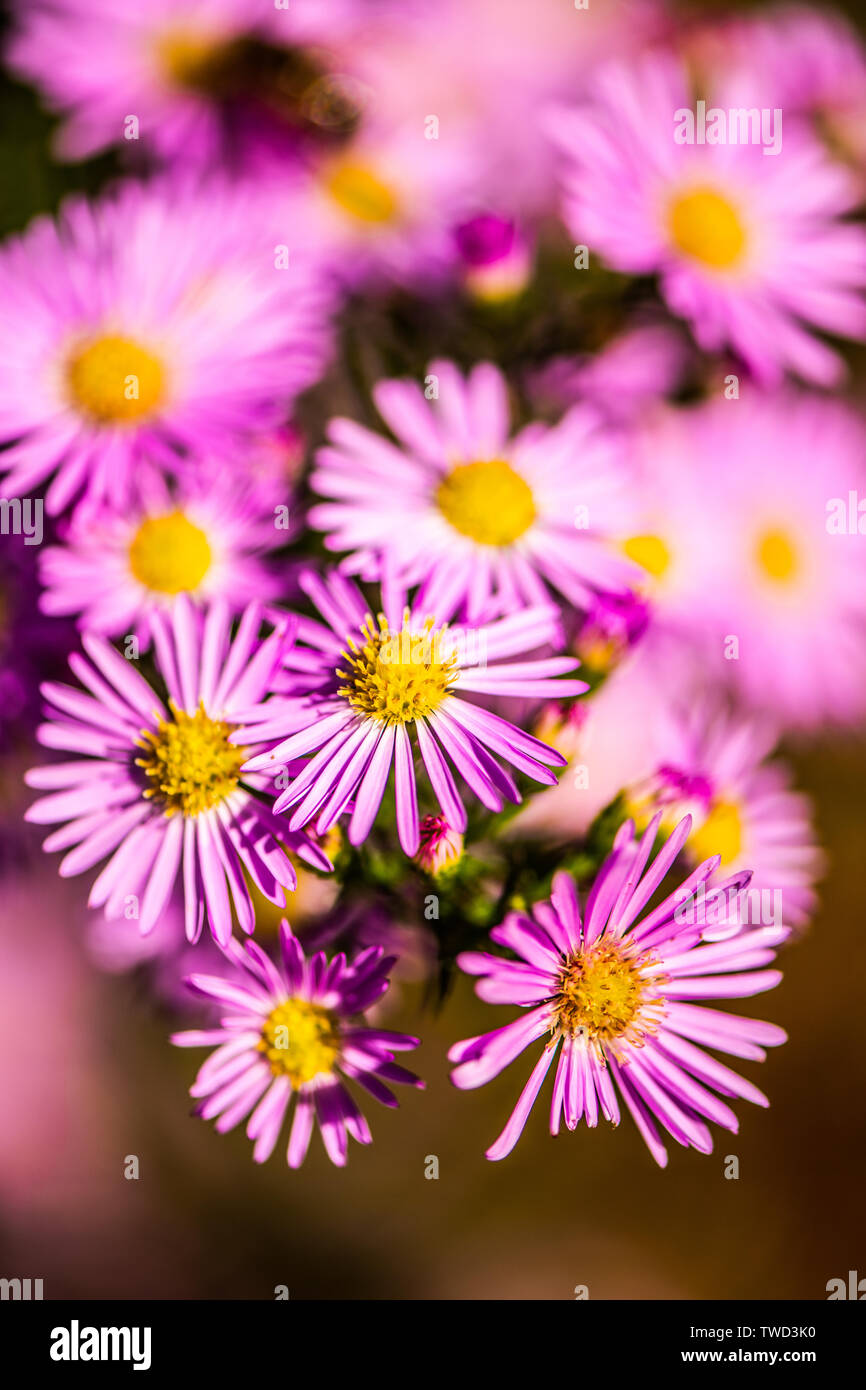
[614,993]
[160,790]
[143,329]
[354,687]
[295,1028]
[483,521]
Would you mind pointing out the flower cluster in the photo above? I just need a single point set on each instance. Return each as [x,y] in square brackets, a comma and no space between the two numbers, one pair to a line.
[426,437]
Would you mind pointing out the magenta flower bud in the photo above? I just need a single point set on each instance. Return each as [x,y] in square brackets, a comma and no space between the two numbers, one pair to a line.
[441,847]
[496,258]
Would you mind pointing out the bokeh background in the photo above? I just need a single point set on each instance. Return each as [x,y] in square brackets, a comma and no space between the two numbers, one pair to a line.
[86,1080]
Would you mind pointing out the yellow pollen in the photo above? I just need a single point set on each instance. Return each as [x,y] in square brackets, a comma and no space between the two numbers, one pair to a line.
[705,226]
[487,501]
[191,60]
[114,380]
[169,555]
[651,553]
[300,1040]
[398,677]
[721,833]
[603,996]
[360,192]
[190,762]
[777,556]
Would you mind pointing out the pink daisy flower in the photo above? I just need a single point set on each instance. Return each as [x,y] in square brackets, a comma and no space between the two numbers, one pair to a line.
[354,688]
[115,569]
[150,326]
[753,555]
[749,248]
[487,69]
[174,66]
[381,207]
[714,765]
[296,1029]
[158,791]
[769,575]
[484,521]
[628,377]
[806,61]
[787,481]
[614,995]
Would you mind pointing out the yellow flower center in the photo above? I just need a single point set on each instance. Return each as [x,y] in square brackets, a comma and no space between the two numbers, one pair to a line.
[190,762]
[603,996]
[721,833]
[398,677]
[777,557]
[300,1040]
[487,501]
[650,552]
[191,60]
[169,555]
[114,380]
[360,192]
[705,226]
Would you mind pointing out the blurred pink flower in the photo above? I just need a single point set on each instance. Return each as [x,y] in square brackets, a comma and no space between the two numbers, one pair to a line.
[640,366]
[166,65]
[114,569]
[380,207]
[152,325]
[809,62]
[713,764]
[751,249]
[484,69]
[54,1113]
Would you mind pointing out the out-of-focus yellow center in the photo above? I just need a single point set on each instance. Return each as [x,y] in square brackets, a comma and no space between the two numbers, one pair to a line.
[650,552]
[190,60]
[169,555]
[721,833]
[300,1040]
[189,762]
[115,380]
[777,556]
[600,993]
[400,676]
[360,192]
[704,225]
[487,501]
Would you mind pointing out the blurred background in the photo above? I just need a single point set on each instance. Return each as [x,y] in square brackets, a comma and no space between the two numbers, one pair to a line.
[87,1080]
